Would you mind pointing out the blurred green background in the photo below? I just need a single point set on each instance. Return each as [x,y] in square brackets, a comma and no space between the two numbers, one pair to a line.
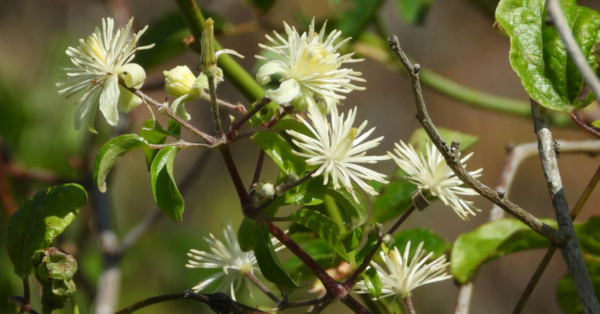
[40,147]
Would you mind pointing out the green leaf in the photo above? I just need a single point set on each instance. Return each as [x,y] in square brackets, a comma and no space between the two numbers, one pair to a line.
[362,254]
[165,191]
[522,20]
[55,270]
[309,193]
[153,133]
[292,124]
[246,236]
[264,115]
[358,17]
[419,138]
[373,282]
[268,262]
[490,241]
[314,246]
[394,198]
[174,128]
[566,292]
[555,52]
[352,239]
[433,242]
[587,33]
[41,219]
[589,237]
[357,212]
[323,226]
[539,57]
[281,152]
[110,152]
[596,124]
[414,11]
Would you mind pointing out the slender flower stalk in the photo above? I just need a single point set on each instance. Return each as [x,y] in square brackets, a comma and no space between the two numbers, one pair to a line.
[101,61]
[229,257]
[432,174]
[310,68]
[338,148]
[402,277]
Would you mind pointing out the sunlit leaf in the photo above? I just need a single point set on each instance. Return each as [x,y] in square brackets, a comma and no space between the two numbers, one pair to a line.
[321,225]
[167,196]
[110,152]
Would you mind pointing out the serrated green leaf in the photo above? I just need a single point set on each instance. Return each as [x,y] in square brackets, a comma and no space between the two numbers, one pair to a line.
[323,226]
[43,217]
[281,152]
[414,11]
[268,262]
[357,212]
[167,196]
[419,139]
[55,270]
[522,20]
[373,282]
[352,239]
[110,152]
[587,33]
[153,133]
[432,242]
[568,298]
[490,241]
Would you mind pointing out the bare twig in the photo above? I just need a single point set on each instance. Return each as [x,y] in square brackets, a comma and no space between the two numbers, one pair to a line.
[19,301]
[262,287]
[463,299]
[451,156]
[222,103]
[570,247]
[257,171]
[214,106]
[354,305]
[546,260]
[8,202]
[521,152]
[560,23]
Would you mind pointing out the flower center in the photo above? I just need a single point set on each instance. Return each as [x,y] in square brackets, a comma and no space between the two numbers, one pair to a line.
[344,145]
[246,267]
[314,61]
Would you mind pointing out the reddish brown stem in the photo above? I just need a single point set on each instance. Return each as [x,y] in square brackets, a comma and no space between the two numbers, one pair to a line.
[355,306]
[583,125]
[245,199]
[334,289]
[7,199]
[257,171]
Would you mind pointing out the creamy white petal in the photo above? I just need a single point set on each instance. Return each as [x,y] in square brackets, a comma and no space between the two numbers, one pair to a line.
[109,99]
[287,91]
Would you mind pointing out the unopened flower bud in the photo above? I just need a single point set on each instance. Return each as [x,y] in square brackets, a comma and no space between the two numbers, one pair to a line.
[388,240]
[291,178]
[378,228]
[179,81]
[266,189]
[208,58]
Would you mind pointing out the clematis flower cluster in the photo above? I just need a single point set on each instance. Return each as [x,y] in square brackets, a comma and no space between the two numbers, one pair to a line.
[100,61]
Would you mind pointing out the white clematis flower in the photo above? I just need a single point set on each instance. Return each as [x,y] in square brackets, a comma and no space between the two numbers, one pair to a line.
[234,263]
[432,174]
[311,67]
[101,60]
[338,149]
[402,277]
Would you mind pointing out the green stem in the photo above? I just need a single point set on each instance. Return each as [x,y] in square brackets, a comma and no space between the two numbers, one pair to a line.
[234,73]
[334,213]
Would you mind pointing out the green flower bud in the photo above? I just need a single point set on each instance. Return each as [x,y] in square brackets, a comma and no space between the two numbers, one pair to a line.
[179,81]
[208,57]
